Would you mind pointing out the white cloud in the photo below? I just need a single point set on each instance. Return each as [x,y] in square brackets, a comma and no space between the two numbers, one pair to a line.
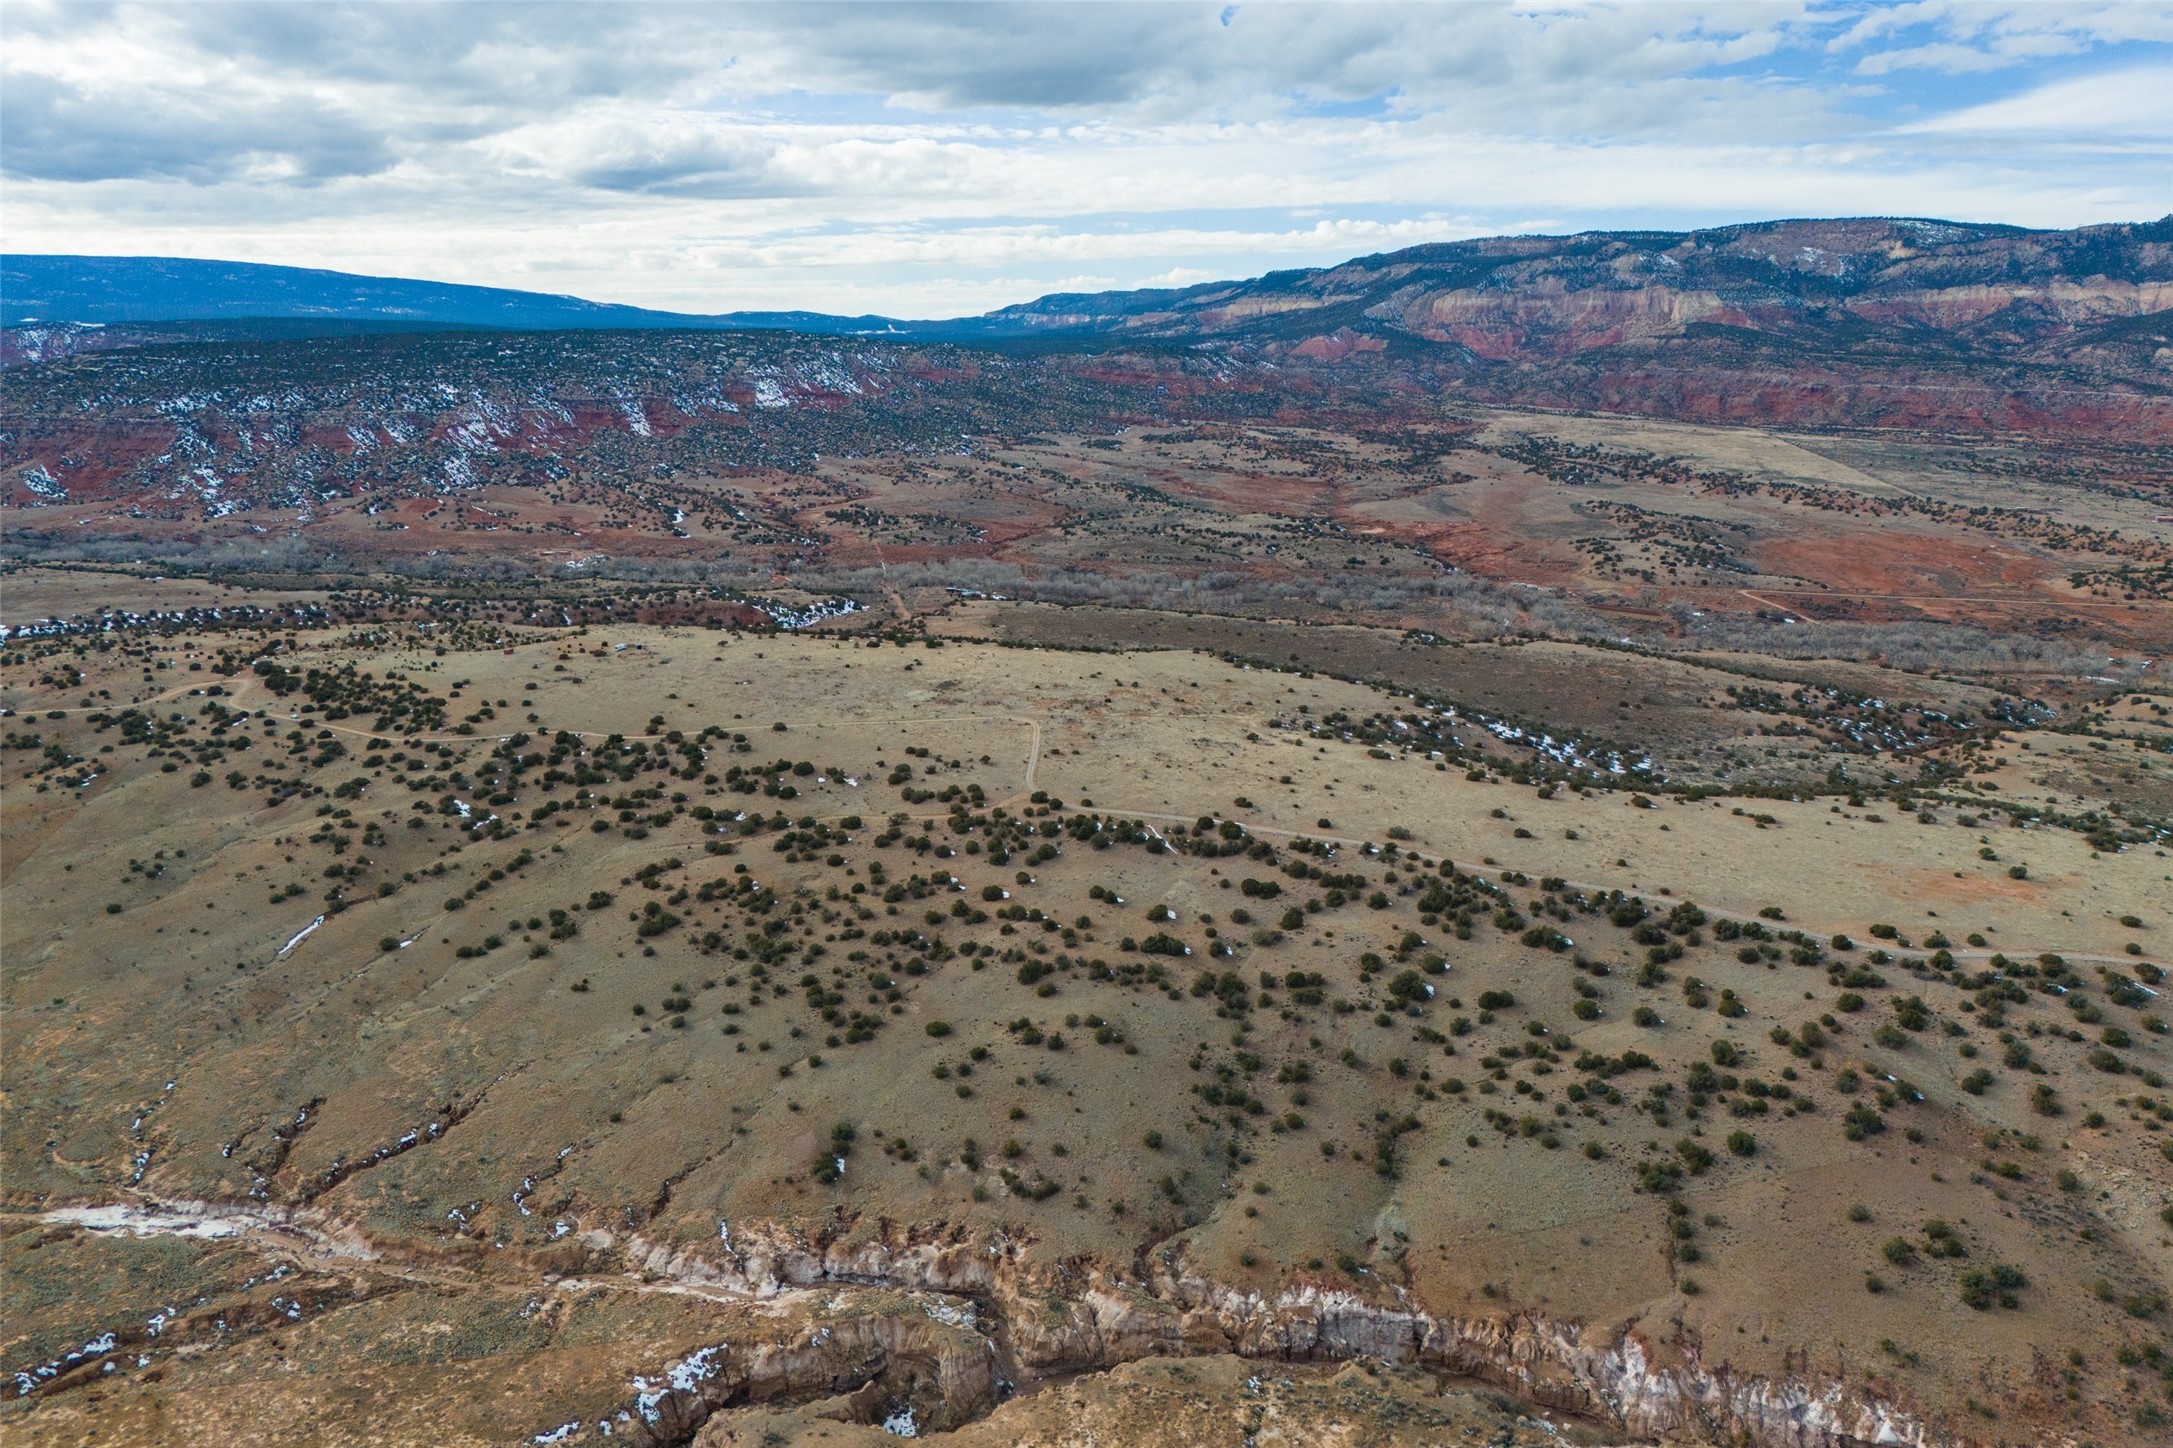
[918,159]
[1976,35]
[2132,103]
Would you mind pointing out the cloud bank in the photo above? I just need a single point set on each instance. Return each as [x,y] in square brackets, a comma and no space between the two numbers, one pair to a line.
[930,159]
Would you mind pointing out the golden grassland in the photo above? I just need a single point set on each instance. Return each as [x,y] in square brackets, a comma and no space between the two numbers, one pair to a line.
[1099,953]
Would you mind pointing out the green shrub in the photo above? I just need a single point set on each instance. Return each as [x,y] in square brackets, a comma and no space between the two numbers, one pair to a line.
[2000,1282]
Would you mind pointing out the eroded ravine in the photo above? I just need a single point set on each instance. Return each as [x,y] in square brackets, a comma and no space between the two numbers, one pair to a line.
[932,1327]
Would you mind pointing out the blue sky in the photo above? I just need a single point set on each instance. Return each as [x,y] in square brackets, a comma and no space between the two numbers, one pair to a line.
[936,159]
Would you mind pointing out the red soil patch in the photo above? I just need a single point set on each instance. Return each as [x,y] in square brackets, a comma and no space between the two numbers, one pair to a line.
[1258,492]
[1899,562]
[1475,548]
[1968,890]
[88,457]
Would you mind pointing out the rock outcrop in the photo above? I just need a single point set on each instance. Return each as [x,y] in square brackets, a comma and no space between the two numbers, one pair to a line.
[1046,1320]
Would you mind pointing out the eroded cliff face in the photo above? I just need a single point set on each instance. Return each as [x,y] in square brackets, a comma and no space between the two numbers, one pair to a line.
[936,1373]
[1043,1320]
[1554,319]
[1539,296]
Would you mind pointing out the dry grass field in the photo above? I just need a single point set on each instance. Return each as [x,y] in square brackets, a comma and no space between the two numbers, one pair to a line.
[455,1032]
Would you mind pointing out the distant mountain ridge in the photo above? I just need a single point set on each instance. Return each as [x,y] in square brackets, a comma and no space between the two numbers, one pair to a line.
[1831,317]
[107,290]
[1889,325]
[1498,298]
[1976,287]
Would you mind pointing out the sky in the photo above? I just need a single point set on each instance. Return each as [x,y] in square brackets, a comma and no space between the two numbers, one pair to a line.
[929,160]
